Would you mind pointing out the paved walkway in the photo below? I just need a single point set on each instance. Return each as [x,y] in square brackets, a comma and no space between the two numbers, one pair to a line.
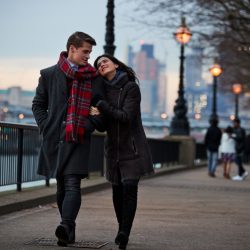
[182,211]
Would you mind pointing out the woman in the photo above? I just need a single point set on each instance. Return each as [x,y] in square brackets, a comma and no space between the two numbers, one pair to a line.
[126,149]
[227,150]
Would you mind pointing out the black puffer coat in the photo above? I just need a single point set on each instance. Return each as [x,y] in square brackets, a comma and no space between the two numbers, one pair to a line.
[56,157]
[126,146]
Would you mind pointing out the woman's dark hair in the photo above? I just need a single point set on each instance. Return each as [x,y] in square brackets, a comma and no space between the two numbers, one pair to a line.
[229,130]
[78,38]
[122,66]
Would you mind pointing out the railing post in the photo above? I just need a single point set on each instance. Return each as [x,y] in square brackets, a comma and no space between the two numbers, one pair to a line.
[19,159]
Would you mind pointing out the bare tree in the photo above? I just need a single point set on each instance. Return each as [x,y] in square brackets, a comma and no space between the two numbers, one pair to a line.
[220,26]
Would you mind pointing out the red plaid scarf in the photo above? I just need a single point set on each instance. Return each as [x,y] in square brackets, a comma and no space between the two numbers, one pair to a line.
[79,98]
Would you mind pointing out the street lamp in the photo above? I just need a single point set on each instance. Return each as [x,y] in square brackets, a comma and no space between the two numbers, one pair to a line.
[215,71]
[109,47]
[237,89]
[179,124]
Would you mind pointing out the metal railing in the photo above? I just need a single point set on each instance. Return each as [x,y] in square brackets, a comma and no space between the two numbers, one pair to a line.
[19,147]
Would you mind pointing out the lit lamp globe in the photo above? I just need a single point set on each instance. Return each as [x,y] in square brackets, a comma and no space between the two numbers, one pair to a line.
[237,88]
[183,34]
[164,116]
[215,70]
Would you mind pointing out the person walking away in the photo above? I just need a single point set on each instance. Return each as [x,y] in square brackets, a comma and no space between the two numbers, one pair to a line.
[240,138]
[212,142]
[227,151]
[61,109]
[128,155]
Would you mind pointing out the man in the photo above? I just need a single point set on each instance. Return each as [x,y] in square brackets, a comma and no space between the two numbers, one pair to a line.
[212,142]
[240,137]
[61,109]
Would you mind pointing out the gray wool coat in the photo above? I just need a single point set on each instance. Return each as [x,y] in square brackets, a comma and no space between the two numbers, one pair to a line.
[126,146]
[57,157]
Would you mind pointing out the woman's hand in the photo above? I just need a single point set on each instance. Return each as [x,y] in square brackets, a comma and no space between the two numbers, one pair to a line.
[94,111]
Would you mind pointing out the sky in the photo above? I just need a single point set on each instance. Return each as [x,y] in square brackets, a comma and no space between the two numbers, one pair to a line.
[34,32]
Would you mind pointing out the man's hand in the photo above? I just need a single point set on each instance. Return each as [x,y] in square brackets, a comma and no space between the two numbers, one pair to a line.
[94,111]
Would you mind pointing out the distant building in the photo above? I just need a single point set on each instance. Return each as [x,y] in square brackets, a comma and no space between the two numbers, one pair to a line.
[152,82]
[15,105]
[17,97]
[195,88]
[162,89]
[4,93]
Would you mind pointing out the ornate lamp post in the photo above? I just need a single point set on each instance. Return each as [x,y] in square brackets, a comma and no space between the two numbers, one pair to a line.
[179,124]
[237,90]
[109,48]
[215,71]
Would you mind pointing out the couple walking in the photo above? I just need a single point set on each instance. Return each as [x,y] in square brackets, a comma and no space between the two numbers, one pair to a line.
[232,146]
[72,100]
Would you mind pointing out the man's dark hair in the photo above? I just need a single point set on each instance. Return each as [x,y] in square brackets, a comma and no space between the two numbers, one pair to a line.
[213,121]
[237,120]
[77,38]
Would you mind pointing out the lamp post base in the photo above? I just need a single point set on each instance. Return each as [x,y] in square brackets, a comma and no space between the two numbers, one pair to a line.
[179,126]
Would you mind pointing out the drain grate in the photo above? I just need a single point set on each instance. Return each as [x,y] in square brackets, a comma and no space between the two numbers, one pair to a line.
[78,244]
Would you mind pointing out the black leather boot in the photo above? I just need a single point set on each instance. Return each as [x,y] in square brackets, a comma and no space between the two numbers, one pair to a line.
[117,202]
[128,212]
[123,240]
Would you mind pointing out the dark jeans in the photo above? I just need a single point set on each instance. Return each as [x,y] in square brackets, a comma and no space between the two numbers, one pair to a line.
[239,162]
[69,198]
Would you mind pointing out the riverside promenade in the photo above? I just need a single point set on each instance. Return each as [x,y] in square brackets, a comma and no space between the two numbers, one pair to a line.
[180,210]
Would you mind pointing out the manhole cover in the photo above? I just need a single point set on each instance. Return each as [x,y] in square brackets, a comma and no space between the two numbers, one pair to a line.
[78,244]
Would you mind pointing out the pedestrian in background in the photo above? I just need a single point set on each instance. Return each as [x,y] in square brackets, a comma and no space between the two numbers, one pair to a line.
[127,152]
[212,142]
[61,109]
[227,151]
[240,139]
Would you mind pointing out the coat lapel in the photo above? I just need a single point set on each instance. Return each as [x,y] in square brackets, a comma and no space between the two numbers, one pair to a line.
[62,81]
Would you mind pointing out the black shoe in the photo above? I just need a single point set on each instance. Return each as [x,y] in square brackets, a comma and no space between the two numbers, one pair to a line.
[61,244]
[117,238]
[123,240]
[212,174]
[65,235]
